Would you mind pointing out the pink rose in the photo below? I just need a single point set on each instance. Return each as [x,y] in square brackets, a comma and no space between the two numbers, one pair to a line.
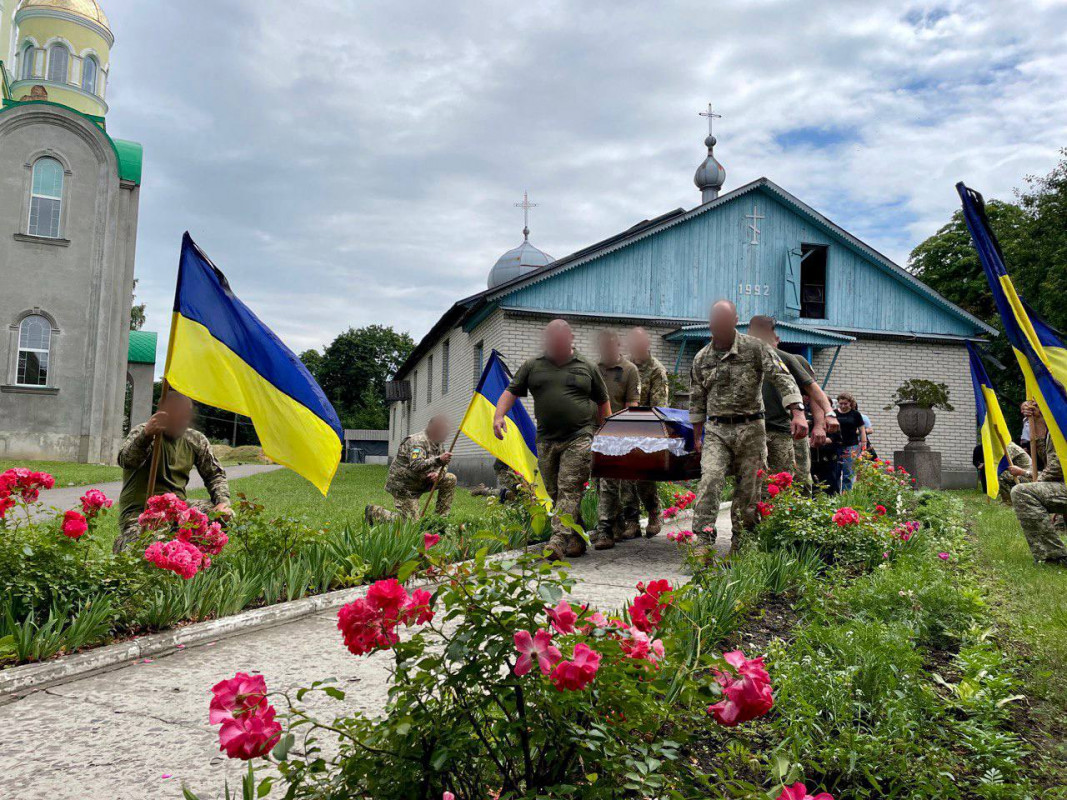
[429,540]
[250,735]
[747,694]
[576,674]
[538,646]
[646,611]
[773,490]
[783,480]
[6,504]
[798,791]
[943,556]
[846,516]
[563,617]
[880,510]
[764,509]
[74,525]
[181,558]
[94,501]
[241,694]
[370,623]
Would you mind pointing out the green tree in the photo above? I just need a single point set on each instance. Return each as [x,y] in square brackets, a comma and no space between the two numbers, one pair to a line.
[354,369]
[1033,236]
[313,361]
[137,311]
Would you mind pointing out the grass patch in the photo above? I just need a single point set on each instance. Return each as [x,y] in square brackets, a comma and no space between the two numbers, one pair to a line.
[1029,601]
[69,474]
[284,492]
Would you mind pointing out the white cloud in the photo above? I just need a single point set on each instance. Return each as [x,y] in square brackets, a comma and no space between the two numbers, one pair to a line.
[349,163]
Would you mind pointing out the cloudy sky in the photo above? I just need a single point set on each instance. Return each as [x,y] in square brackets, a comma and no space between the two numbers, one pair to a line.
[348,163]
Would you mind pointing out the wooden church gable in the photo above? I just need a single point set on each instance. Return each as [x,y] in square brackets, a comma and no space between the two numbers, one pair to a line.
[758,246]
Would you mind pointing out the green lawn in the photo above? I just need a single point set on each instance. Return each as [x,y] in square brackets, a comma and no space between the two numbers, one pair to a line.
[68,474]
[356,485]
[1030,601]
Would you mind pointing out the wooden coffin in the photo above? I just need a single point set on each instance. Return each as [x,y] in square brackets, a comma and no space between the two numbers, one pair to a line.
[638,445]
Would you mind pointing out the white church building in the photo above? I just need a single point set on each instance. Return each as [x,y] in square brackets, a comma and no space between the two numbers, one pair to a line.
[864,322]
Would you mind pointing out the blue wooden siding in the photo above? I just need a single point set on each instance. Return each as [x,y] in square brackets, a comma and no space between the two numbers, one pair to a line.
[679,271]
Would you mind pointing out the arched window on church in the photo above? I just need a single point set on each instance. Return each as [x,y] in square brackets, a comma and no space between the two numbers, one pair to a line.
[35,341]
[58,63]
[89,71]
[46,198]
[28,53]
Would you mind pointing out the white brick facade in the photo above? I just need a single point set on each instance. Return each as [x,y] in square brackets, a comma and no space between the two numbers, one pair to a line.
[871,369]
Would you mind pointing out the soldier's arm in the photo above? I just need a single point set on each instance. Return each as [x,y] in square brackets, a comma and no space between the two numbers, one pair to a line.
[633,389]
[1022,458]
[136,449]
[418,461]
[1053,471]
[657,387]
[698,407]
[775,370]
[212,472]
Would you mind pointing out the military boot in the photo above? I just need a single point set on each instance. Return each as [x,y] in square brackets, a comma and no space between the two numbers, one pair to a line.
[631,529]
[602,537]
[575,547]
[556,548]
[655,525]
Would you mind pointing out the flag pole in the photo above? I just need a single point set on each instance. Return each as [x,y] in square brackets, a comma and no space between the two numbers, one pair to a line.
[157,445]
[1033,442]
[157,442]
[440,472]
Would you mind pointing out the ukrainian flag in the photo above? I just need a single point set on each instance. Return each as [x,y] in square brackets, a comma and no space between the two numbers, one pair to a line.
[518,448]
[992,429]
[1038,349]
[222,355]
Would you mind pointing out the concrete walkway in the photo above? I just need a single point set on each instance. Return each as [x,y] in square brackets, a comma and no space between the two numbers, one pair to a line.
[64,497]
[141,731]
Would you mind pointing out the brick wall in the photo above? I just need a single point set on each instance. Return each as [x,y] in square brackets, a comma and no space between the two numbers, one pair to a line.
[872,369]
[517,336]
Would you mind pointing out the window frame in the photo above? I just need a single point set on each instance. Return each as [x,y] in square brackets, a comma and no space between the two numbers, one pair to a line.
[47,351]
[86,61]
[52,50]
[478,360]
[429,379]
[61,199]
[29,55]
[446,357]
[810,248]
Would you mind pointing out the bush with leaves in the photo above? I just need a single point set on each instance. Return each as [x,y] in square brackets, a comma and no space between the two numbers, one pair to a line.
[504,689]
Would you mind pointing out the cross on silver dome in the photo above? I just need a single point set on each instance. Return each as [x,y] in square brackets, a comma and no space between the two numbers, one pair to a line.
[525,205]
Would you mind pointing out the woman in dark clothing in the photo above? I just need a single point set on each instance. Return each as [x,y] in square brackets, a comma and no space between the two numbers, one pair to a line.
[853,437]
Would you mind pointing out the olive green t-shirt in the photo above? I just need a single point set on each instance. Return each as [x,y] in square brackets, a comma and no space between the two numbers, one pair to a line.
[566,396]
[623,382]
[777,417]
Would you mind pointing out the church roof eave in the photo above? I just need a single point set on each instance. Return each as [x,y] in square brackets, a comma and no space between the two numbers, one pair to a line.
[673,218]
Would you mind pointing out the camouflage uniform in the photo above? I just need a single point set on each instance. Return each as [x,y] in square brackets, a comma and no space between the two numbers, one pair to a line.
[784,453]
[1018,458]
[1035,502]
[178,457]
[566,400]
[624,389]
[507,481]
[727,392]
[409,479]
[638,494]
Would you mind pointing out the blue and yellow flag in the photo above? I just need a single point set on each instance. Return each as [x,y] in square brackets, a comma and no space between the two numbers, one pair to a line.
[992,429]
[518,448]
[222,355]
[1038,349]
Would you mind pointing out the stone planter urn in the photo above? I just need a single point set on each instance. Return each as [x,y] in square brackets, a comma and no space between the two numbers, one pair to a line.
[917,458]
[916,422]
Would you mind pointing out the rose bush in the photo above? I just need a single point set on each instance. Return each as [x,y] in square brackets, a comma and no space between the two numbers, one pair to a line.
[502,688]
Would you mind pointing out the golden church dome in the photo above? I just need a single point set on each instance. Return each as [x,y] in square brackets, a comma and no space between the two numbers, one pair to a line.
[89,9]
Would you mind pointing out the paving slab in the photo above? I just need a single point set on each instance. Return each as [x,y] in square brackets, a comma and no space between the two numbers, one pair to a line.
[116,735]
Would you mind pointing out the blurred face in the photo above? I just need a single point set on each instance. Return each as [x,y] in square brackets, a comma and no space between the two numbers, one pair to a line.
[179,410]
[723,321]
[437,430]
[558,341]
[764,333]
[640,344]
[610,348]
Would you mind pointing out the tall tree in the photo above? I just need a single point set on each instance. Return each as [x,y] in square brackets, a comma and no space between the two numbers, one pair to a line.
[353,371]
[1033,236]
[137,311]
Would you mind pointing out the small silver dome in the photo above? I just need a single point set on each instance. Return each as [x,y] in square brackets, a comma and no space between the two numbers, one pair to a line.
[710,175]
[519,261]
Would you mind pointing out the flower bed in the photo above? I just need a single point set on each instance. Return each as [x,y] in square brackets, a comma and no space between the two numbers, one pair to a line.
[63,590]
[879,681]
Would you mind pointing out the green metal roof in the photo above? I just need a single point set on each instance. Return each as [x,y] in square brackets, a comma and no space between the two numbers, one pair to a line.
[130,155]
[142,347]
